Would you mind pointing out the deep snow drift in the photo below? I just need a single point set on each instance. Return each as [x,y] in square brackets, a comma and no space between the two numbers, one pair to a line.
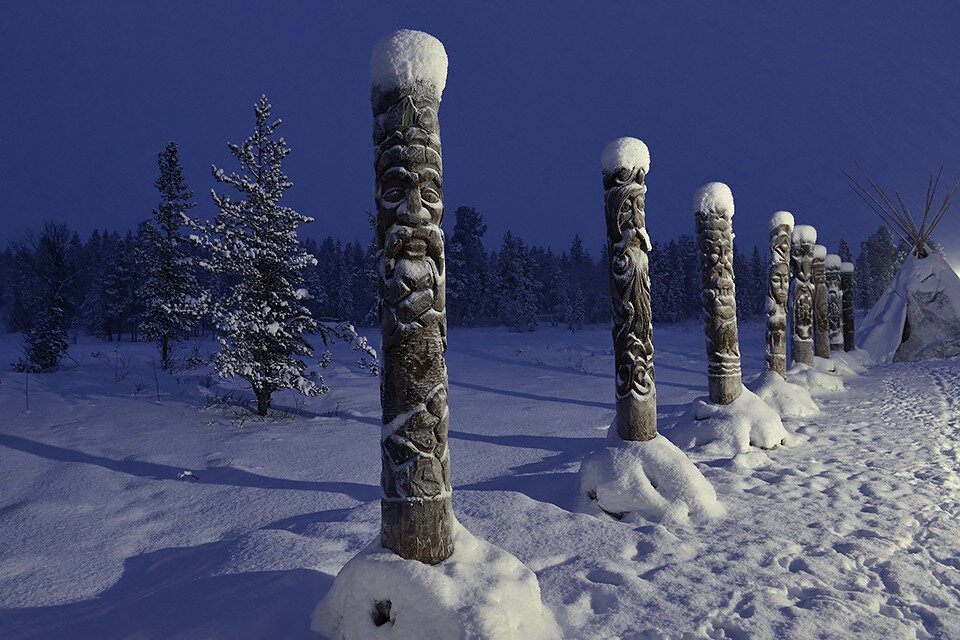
[849,533]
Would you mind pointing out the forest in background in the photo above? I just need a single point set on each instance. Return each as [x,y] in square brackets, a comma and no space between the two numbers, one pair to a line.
[518,285]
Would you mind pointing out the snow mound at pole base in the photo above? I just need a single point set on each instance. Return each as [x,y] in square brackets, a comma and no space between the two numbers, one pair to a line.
[729,429]
[652,480]
[479,592]
[814,380]
[787,399]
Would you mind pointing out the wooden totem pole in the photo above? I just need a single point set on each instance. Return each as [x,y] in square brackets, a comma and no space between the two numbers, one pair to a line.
[408,76]
[781,226]
[803,239]
[713,215]
[821,321]
[834,301]
[846,287]
[625,163]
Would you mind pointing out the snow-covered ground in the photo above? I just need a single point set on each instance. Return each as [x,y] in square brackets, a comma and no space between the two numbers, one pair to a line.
[851,532]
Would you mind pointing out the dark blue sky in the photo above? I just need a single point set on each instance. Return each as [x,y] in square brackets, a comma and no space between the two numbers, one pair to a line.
[771,98]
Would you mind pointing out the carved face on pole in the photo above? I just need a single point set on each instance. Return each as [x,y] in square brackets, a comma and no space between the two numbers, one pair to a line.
[780,283]
[713,221]
[627,245]
[416,512]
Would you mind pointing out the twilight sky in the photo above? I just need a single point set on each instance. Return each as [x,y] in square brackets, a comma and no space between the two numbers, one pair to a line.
[772,98]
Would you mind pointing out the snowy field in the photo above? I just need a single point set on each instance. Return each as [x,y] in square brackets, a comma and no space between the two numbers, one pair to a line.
[850,533]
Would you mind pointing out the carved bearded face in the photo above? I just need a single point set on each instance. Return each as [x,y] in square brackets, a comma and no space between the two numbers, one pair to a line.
[411,207]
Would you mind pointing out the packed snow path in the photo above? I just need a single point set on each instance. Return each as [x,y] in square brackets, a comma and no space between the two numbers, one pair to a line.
[851,532]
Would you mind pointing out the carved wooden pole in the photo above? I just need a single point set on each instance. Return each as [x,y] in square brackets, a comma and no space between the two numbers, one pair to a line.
[846,286]
[821,321]
[713,214]
[834,301]
[804,237]
[781,226]
[408,75]
[625,163]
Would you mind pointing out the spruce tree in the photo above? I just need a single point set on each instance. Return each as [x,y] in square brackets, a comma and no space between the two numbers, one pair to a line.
[518,290]
[169,291]
[262,319]
[465,273]
[49,270]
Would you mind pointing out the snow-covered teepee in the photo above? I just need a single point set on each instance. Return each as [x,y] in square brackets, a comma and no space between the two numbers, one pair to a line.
[918,316]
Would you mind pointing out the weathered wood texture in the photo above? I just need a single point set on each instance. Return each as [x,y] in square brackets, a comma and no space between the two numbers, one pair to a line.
[627,246]
[777,293]
[834,303]
[416,512]
[820,318]
[847,283]
[714,228]
[802,264]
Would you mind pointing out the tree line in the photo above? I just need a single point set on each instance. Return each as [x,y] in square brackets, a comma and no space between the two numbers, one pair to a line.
[248,279]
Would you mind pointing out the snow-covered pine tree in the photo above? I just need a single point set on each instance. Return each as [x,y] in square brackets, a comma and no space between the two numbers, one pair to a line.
[465,260]
[758,283]
[843,250]
[516,287]
[743,275]
[262,319]
[49,267]
[575,311]
[169,291]
[879,260]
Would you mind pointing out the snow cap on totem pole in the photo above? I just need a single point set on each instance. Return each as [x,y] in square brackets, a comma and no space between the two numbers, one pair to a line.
[804,234]
[625,153]
[781,218]
[846,267]
[714,196]
[832,261]
[407,58]
[819,252]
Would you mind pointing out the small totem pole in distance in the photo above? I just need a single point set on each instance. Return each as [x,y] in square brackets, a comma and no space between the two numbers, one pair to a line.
[781,226]
[713,214]
[846,286]
[821,321]
[834,301]
[803,239]
[408,75]
[625,163]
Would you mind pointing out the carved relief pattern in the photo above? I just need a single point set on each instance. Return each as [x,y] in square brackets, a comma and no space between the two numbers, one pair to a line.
[628,245]
[777,293]
[846,286]
[410,262]
[834,311]
[802,263]
[820,318]
[715,237]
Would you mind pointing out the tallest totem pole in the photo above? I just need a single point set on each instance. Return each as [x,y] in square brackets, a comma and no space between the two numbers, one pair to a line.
[409,70]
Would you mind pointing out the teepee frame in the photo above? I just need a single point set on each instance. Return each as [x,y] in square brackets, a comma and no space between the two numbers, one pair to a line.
[894,212]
